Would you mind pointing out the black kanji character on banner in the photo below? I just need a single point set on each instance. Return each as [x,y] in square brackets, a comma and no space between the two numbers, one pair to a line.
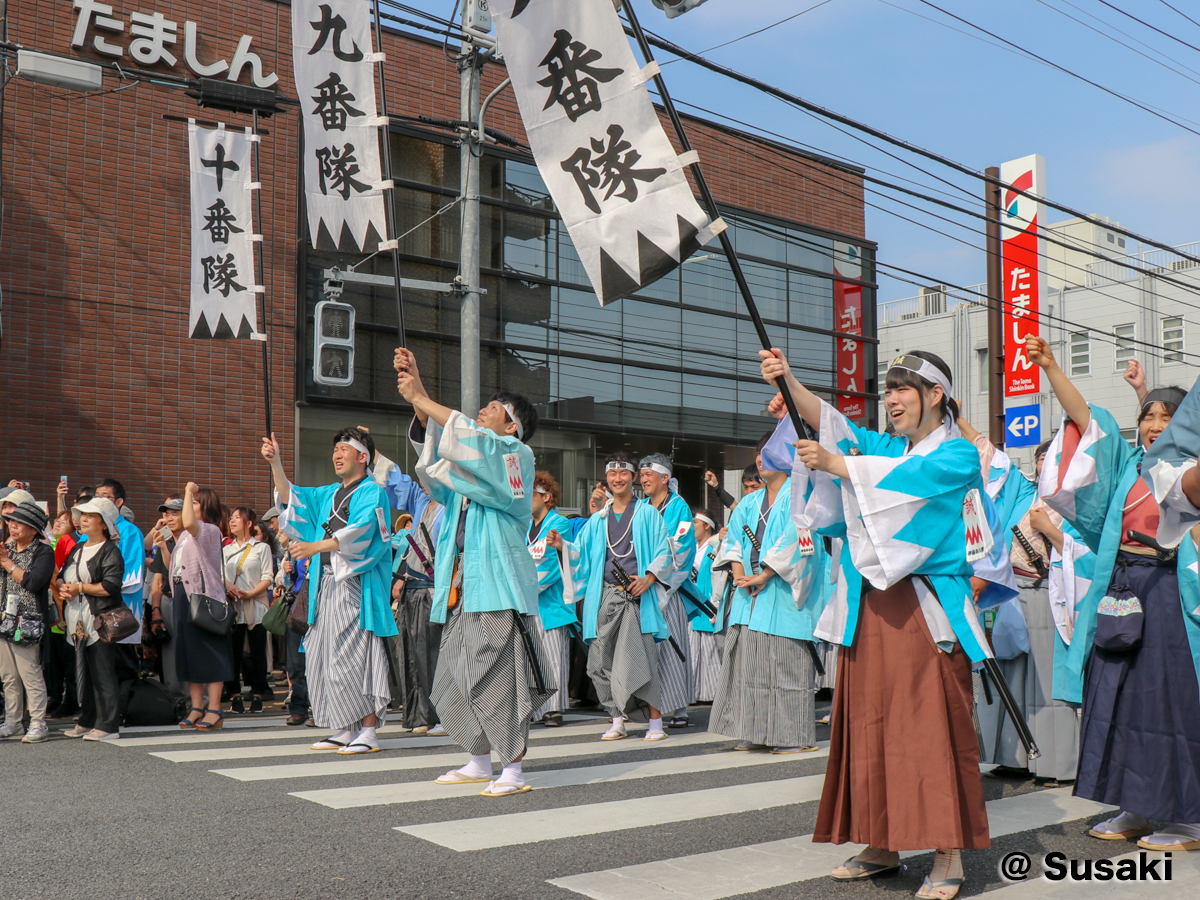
[610,167]
[220,164]
[335,25]
[333,103]
[221,272]
[566,62]
[219,222]
[337,170]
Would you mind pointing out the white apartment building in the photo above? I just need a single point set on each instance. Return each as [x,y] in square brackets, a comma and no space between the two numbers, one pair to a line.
[1107,306]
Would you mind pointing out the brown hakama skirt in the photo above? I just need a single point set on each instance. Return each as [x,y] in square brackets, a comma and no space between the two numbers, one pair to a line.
[903,769]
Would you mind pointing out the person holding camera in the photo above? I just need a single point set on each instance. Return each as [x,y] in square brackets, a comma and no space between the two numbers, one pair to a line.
[291,580]
[26,568]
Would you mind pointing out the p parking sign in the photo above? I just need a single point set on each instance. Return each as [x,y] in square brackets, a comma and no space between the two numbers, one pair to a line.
[1023,426]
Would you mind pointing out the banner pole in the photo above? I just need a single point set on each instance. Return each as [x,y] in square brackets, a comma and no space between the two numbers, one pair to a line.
[389,196]
[259,266]
[710,205]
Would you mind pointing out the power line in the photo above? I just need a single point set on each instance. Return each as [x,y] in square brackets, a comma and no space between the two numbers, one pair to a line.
[799,102]
[1173,118]
[1102,34]
[1108,24]
[1185,15]
[1145,24]
[759,31]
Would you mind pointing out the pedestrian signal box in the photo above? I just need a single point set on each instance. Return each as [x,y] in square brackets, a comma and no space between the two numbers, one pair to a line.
[333,355]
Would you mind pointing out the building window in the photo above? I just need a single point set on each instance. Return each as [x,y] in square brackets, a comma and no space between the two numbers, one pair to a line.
[1125,335]
[982,356]
[1081,354]
[1130,435]
[1172,338]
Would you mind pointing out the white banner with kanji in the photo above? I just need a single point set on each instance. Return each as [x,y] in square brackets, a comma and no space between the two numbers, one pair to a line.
[334,67]
[614,176]
[223,303]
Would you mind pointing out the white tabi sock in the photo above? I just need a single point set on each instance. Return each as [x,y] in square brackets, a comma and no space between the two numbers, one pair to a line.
[342,737]
[1123,821]
[656,724]
[367,736]
[618,723]
[512,774]
[478,767]
[1175,833]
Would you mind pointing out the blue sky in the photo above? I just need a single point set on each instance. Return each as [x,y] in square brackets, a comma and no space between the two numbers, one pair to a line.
[981,105]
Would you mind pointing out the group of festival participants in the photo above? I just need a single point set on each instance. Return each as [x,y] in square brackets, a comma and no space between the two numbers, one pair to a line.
[915,552]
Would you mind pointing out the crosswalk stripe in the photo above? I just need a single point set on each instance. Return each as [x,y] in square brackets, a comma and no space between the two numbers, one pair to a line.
[409,792]
[599,818]
[1185,870]
[757,867]
[341,765]
[229,723]
[405,743]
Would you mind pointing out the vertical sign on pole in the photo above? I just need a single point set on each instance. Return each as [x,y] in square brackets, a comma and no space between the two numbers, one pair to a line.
[1022,219]
[849,356]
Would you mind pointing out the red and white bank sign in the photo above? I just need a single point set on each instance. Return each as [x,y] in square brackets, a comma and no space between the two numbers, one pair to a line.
[1024,266]
[850,355]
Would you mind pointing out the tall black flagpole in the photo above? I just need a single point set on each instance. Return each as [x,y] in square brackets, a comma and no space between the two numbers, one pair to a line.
[710,204]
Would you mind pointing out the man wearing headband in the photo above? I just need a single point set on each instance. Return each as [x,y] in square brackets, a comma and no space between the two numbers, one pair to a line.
[343,529]
[490,675]
[613,564]
[703,652]
[674,673]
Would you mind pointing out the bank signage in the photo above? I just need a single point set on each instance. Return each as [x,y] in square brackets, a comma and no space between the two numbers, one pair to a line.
[150,39]
[1023,220]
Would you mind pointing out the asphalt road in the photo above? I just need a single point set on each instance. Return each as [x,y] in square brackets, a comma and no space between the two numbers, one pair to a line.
[98,821]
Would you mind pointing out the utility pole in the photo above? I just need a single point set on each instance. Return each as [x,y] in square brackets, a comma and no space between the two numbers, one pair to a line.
[995,311]
[470,65]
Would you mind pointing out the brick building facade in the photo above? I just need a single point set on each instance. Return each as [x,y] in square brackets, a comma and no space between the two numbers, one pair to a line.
[100,376]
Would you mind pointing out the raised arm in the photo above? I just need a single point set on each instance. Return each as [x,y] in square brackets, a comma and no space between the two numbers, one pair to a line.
[1135,375]
[1073,404]
[270,452]
[408,383]
[187,515]
[775,366]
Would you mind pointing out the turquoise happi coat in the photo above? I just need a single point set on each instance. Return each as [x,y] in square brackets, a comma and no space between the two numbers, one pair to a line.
[1090,494]
[583,566]
[464,461]
[703,583]
[554,612]
[364,547]
[790,604]
[901,514]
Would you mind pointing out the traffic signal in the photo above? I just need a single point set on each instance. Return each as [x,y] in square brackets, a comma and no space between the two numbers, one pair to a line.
[333,355]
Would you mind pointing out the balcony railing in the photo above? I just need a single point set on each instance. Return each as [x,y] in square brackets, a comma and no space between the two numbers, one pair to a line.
[934,301]
[1157,262]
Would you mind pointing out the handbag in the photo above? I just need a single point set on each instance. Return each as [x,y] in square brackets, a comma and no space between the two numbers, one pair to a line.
[209,614]
[297,619]
[275,620]
[114,625]
[1119,617]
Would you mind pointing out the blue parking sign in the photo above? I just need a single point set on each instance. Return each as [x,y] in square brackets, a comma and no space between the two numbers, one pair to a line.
[1023,426]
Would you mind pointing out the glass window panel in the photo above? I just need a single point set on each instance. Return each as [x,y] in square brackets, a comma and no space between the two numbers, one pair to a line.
[809,250]
[491,237]
[707,282]
[1172,338]
[1125,348]
[491,176]
[710,341]
[652,399]
[652,323]
[709,405]
[769,287]
[810,300]
[527,373]
[526,311]
[489,306]
[811,356]
[748,345]
[523,186]
[1081,354]
[752,409]
[759,239]
[528,244]
[427,162]
[570,268]
[437,238]
[586,327]
[666,288]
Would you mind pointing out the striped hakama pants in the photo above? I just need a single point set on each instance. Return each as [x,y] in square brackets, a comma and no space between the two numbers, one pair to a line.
[622,662]
[675,674]
[556,651]
[765,693]
[705,655]
[484,689]
[346,666]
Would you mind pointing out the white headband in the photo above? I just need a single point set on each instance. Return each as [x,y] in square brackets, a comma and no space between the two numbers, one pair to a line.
[541,490]
[704,518]
[659,468]
[925,369]
[627,466]
[508,408]
[357,445]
